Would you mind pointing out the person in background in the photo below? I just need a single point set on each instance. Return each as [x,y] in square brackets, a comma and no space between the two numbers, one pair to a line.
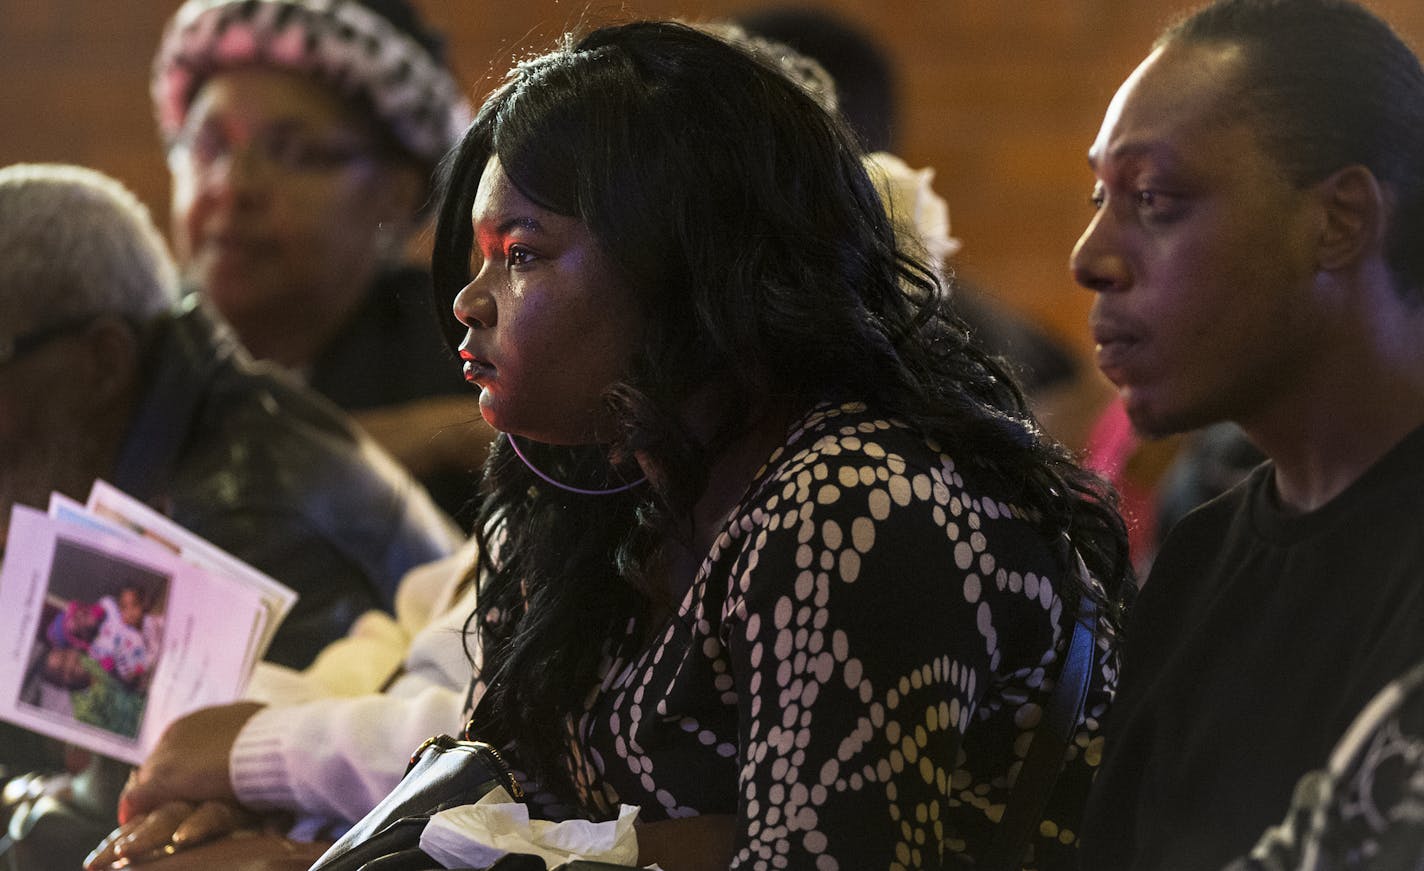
[867,93]
[866,86]
[301,138]
[75,625]
[92,694]
[1254,258]
[116,638]
[104,374]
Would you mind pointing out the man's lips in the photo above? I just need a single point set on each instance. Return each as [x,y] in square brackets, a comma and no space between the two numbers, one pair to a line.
[1116,346]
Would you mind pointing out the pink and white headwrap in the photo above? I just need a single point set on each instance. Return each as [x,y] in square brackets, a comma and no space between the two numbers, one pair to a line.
[345,43]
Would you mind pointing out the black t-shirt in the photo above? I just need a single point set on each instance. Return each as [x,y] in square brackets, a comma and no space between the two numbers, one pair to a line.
[1257,639]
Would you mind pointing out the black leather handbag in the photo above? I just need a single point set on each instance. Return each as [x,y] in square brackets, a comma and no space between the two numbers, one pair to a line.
[443,773]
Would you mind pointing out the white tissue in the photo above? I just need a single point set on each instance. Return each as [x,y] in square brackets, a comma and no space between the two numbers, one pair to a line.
[480,833]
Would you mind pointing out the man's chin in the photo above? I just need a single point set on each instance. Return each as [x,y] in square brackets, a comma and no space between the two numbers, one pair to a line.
[1150,419]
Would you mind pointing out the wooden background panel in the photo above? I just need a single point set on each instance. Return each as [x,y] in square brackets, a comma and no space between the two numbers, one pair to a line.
[1002,98]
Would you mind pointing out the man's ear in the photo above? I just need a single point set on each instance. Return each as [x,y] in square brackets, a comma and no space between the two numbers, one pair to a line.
[112,357]
[1356,211]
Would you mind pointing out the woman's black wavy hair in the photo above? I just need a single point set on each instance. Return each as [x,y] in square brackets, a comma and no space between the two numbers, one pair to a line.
[741,215]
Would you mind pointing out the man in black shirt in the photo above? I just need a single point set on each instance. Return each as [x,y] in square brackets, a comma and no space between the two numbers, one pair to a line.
[1255,259]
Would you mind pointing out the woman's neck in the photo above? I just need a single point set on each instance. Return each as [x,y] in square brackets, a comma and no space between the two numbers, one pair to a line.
[732,470]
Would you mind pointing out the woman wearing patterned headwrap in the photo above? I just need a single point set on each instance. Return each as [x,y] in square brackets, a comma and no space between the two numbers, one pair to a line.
[301,137]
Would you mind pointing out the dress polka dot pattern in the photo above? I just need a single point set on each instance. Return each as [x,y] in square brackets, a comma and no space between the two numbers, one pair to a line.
[857,668]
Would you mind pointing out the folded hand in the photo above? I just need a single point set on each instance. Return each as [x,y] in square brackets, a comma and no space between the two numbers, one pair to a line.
[172,827]
[244,850]
[190,761]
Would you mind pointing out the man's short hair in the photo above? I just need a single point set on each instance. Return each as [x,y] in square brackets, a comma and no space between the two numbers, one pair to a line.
[1328,84]
[75,242]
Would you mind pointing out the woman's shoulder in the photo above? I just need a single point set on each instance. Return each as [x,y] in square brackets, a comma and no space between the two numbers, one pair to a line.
[848,433]
[854,443]
[854,466]
[864,515]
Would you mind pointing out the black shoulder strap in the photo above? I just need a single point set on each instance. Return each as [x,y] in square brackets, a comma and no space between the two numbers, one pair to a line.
[1049,747]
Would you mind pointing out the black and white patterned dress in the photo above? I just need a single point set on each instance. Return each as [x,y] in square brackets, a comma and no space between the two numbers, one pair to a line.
[857,667]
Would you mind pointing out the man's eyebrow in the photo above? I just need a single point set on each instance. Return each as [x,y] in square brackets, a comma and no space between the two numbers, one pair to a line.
[1129,150]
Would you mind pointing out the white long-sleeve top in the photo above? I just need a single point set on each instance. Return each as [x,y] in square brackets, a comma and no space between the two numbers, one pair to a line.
[336,737]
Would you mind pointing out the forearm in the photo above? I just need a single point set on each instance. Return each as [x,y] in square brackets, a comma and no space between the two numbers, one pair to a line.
[336,757]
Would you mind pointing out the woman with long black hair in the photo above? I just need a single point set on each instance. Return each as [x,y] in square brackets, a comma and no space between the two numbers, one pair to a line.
[766,542]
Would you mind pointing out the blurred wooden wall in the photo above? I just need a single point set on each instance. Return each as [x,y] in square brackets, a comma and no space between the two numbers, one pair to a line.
[1001,96]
